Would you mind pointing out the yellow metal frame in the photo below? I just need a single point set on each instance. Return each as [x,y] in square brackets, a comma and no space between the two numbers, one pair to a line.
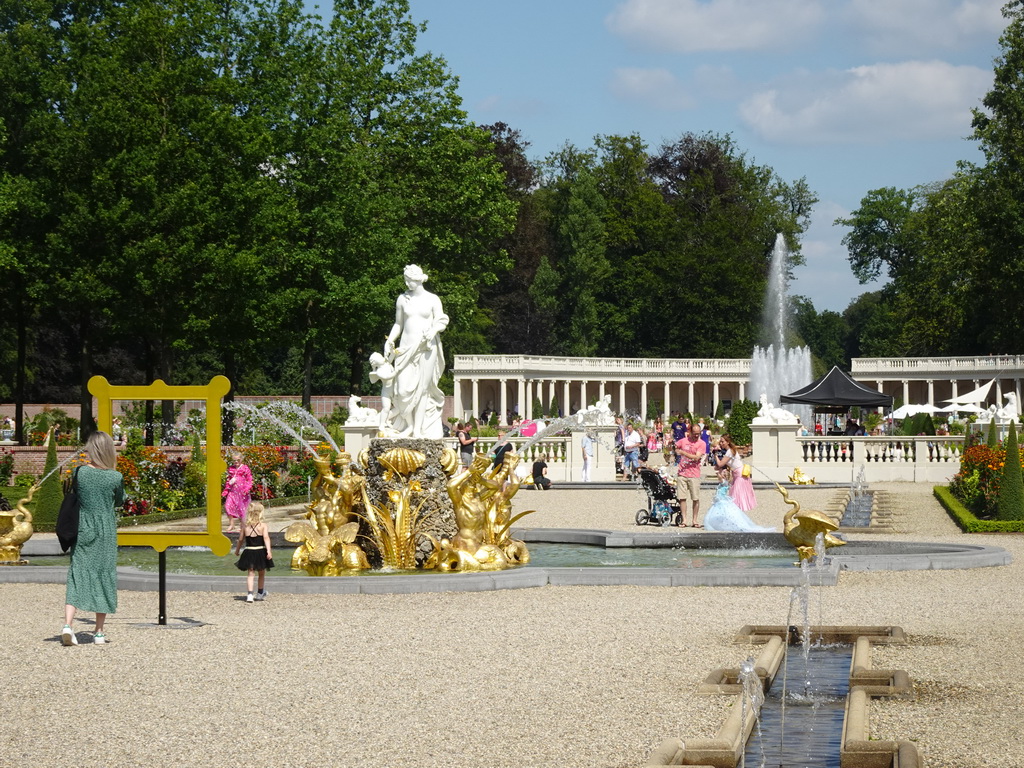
[212,393]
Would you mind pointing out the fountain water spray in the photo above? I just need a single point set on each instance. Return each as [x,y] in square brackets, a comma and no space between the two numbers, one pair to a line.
[776,370]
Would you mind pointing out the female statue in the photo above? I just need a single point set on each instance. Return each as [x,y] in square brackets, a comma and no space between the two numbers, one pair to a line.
[418,360]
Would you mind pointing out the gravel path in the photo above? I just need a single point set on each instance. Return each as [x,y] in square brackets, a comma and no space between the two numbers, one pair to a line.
[559,676]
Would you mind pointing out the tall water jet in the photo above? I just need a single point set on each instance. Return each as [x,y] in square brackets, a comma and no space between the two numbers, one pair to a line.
[776,370]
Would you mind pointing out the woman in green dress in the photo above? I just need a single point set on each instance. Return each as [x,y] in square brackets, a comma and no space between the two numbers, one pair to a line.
[92,575]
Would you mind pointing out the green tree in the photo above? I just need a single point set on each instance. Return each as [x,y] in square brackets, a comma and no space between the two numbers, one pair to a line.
[567,290]
[1010,505]
[993,435]
[51,493]
[998,198]
[738,423]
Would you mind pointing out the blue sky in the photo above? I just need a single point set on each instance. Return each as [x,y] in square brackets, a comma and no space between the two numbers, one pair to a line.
[853,95]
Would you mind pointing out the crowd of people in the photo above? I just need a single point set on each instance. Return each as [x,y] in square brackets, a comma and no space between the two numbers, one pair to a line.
[688,448]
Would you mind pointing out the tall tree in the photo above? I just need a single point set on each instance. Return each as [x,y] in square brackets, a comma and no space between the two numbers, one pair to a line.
[999,194]
[568,290]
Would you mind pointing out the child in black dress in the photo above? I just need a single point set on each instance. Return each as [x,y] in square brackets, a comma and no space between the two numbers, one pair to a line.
[256,557]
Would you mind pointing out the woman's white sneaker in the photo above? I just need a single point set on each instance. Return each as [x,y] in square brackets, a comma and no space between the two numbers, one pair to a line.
[68,636]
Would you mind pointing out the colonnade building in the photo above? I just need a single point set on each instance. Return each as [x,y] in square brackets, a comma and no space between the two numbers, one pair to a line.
[509,384]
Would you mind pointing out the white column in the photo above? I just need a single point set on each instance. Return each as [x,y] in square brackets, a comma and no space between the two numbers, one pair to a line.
[999,393]
[521,396]
[665,409]
[953,388]
[906,391]
[503,387]
[566,402]
[622,397]
[600,391]
[743,390]
[458,400]
[689,397]
[714,404]
[643,401]
[476,398]
[528,405]
[931,392]
[879,387]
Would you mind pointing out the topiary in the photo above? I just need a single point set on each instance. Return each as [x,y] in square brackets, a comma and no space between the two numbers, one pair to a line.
[51,494]
[1010,505]
[737,426]
[993,434]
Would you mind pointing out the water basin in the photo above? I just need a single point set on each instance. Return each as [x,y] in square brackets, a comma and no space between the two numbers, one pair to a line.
[201,561]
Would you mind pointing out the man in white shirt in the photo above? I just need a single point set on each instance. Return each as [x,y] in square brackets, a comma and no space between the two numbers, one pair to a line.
[631,448]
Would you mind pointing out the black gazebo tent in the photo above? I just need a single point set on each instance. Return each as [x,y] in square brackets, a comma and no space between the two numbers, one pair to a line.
[837,388]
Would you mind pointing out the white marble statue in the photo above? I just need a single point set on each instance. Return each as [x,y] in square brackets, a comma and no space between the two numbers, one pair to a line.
[597,415]
[413,349]
[769,414]
[359,415]
[1004,415]
[1009,412]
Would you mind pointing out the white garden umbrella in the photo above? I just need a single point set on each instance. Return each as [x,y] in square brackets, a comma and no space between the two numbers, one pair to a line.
[912,410]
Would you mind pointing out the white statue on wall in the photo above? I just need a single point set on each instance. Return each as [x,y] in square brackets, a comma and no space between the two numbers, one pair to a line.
[1009,412]
[359,415]
[598,415]
[415,364]
[769,414]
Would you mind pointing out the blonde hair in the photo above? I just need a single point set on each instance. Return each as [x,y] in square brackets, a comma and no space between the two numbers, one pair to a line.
[100,450]
[254,514]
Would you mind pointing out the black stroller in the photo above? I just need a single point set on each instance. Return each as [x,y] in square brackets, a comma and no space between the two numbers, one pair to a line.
[662,504]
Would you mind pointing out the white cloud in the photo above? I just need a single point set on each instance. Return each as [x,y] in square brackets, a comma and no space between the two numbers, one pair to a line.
[656,88]
[910,28]
[688,26]
[869,104]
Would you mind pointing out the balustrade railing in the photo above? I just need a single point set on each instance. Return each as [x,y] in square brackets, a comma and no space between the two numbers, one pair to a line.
[919,449]
[556,448]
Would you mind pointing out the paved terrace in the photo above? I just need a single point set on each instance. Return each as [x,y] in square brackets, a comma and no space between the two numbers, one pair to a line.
[557,675]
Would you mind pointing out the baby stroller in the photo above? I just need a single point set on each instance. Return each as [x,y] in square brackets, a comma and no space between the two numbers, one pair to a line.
[662,504]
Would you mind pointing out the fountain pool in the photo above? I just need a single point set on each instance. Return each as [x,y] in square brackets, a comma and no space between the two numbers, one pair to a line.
[560,557]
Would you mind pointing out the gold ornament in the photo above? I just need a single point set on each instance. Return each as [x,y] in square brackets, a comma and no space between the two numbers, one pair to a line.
[15,530]
[802,528]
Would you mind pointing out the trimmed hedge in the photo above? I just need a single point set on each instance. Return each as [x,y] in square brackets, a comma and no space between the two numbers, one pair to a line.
[967,521]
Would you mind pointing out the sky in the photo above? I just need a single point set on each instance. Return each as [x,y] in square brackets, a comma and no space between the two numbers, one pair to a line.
[852,95]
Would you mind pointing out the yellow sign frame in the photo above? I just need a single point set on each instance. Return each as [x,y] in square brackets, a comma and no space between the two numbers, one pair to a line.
[213,537]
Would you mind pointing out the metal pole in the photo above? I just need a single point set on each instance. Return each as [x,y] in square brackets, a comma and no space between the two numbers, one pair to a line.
[162,617]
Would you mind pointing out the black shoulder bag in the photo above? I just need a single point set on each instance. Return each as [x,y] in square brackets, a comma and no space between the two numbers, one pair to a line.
[67,518]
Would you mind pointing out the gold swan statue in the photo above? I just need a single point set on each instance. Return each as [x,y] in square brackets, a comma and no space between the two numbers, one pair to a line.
[15,530]
[801,528]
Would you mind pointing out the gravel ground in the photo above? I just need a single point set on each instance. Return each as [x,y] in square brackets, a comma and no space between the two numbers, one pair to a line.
[558,676]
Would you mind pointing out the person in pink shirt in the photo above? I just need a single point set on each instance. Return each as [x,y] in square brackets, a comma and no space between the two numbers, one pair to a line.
[690,451]
[236,491]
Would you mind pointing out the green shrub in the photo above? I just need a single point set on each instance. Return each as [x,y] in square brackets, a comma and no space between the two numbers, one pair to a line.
[993,435]
[738,423]
[50,494]
[1011,489]
[6,466]
[968,522]
[24,480]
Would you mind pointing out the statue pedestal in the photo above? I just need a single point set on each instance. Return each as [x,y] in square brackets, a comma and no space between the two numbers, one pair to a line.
[775,445]
[358,437]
